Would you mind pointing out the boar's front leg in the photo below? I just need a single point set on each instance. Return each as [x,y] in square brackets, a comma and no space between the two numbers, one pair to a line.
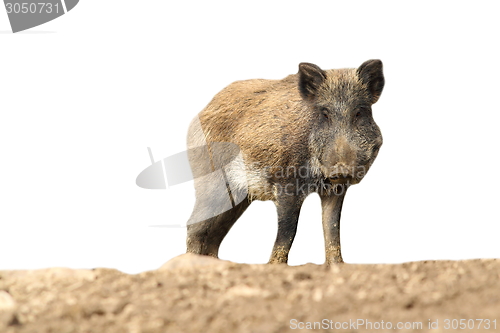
[332,207]
[288,207]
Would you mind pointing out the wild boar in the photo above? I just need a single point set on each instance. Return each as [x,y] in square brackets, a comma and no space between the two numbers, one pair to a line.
[281,140]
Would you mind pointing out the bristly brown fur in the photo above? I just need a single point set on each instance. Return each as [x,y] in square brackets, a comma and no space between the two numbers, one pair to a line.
[319,120]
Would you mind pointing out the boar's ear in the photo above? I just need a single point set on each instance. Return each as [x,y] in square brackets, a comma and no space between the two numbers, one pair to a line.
[310,78]
[370,72]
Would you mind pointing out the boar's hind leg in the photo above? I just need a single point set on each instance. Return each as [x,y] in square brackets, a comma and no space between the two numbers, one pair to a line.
[332,207]
[288,208]
[205,237]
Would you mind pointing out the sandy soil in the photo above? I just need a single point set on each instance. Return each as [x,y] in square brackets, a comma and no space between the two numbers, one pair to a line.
[200,294]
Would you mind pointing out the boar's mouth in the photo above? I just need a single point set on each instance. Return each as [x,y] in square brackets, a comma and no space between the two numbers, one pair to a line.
[342,179]
[338,184]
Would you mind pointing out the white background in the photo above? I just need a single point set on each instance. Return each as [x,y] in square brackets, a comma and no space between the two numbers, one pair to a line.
[82,97]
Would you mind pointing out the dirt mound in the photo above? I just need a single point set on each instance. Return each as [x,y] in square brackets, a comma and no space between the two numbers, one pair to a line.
[200,294]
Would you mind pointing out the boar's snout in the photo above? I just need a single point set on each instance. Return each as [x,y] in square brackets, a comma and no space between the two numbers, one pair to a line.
[340,156]
[344,163]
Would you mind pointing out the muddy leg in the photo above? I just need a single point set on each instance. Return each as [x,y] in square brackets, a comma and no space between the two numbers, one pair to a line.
[332,207]
[288,209]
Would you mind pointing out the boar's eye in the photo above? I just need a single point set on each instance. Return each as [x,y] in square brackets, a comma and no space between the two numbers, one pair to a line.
[324,113]
[362,111]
